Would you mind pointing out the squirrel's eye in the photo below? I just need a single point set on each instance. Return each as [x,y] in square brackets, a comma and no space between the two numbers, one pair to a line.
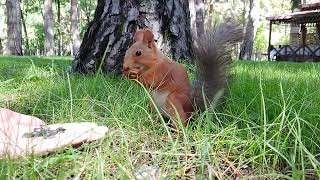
[138,53]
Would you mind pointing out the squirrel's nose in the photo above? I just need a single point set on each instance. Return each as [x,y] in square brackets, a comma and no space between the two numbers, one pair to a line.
[138,53]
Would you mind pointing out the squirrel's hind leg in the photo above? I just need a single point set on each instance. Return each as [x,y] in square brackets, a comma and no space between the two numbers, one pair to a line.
[174,107]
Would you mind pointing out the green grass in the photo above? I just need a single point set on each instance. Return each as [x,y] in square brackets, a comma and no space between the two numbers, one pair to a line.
[267,127]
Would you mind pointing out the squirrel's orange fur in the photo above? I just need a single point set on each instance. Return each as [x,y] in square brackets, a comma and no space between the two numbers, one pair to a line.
[168,80]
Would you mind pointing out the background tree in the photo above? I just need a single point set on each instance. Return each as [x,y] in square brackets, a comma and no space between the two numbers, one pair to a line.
[294,29]
[59,29]
[295,4]
[25,32]
[246,49]
[14,35]
[48,28]
[199,15]
[111,32]
[74,27]
[1,47]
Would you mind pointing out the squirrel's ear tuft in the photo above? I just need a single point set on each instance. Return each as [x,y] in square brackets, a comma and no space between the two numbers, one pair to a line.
[138,36]
[148,37]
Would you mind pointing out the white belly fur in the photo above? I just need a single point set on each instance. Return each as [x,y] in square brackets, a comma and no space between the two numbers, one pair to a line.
[159,98]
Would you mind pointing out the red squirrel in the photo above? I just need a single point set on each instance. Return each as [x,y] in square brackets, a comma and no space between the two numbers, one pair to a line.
[168,80]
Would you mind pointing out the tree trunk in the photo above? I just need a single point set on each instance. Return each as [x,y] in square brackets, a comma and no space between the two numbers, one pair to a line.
[76,42]
[246,49]
[60,37]
[48,28]
[26,38]
[1,47]
[111,32]
[14,35]
[295,4]
[201,16]
[294,29]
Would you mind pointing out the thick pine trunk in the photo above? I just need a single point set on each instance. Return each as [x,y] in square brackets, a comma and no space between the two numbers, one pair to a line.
[111,32]
[246,49]
[76,42]
[14,35]
[48,28]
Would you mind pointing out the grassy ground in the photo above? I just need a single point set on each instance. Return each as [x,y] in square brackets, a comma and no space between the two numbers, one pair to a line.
[267,127]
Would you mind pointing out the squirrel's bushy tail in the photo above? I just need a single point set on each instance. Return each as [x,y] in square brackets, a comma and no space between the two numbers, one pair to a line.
[212,51]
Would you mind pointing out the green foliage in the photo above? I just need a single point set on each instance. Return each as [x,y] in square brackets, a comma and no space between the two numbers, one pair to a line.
[38,41]
[295,4]
[266,128]
[260,42]
[32,6]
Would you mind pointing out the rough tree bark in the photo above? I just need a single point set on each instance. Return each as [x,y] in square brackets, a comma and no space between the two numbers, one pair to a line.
[246,48]
[14,35]
[111,32]
[76,42]
[48,28]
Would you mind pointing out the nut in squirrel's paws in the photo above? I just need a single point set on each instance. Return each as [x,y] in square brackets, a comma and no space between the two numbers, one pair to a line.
[131,73]
[134,73]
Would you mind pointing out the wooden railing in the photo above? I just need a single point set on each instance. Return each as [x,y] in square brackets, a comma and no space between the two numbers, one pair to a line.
[294,53]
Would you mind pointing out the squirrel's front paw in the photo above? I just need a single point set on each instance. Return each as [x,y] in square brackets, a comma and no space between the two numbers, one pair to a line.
[125,70]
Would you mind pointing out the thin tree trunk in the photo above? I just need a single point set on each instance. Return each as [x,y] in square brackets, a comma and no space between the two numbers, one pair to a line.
[48,28]
[26,38]
[14,35]
[111,32]
[1,47]
[76,42]
[201,15]
[192,9]
[246,50]
[294,29]
[60,37]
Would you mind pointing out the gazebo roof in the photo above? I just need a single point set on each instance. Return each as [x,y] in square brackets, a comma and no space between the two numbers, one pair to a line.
[310,13]
[311,6]
[302,17]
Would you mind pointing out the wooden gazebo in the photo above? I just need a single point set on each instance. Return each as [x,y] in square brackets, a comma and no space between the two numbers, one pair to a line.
[303,49]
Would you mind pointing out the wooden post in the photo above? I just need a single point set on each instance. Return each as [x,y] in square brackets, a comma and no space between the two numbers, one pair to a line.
[269,44]
[318,31]
[304,35]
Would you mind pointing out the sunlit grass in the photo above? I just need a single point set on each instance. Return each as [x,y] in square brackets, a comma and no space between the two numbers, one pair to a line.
[267,127]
